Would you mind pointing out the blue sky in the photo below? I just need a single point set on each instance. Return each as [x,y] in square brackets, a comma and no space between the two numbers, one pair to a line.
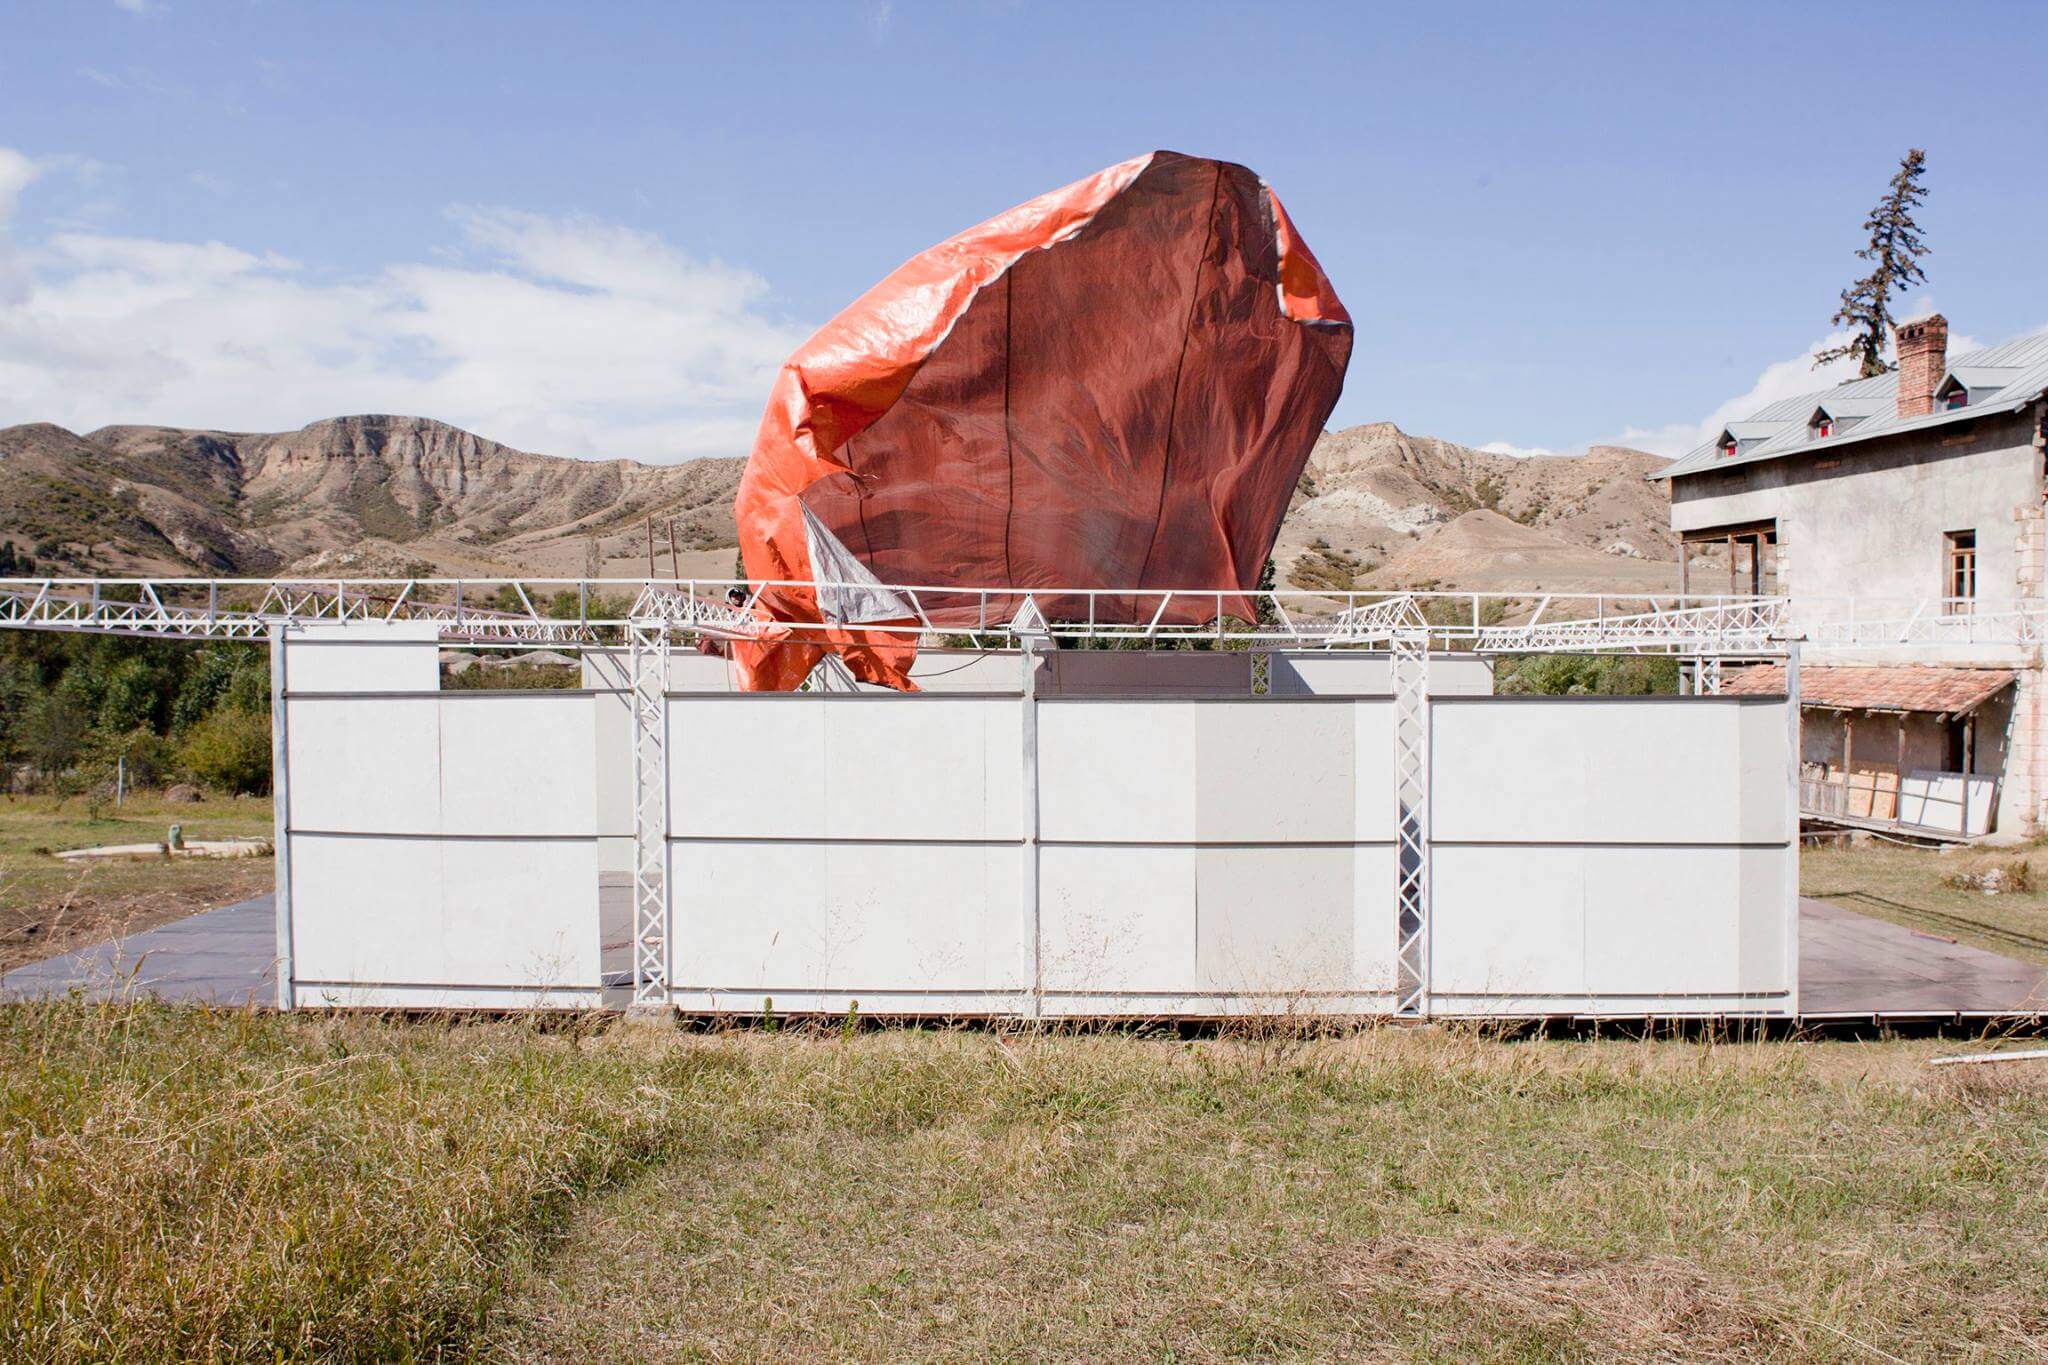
[595,229]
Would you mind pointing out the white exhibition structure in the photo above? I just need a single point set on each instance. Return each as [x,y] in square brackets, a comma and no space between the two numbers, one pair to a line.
[1330,813]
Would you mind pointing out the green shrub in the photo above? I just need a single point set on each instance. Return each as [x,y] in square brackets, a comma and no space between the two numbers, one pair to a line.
[229,751]
[150,759]
[1580,675]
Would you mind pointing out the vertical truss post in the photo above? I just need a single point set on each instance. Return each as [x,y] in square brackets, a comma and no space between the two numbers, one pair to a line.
[1709,675]
[649,659]
[1409,655]
[281,817]
[1035,640]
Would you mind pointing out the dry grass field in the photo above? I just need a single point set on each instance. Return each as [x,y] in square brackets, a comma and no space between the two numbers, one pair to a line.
[185,1183]
[48,906]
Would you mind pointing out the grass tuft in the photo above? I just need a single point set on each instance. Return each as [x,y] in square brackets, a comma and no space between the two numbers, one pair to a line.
[178,1183]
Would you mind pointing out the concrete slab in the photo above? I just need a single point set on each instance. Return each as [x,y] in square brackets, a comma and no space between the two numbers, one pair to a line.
[222,957]
[1854,965]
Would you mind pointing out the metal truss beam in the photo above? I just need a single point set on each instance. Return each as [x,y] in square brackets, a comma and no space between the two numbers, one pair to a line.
[476,612]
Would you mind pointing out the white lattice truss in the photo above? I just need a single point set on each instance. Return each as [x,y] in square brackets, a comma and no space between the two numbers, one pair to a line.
[573,614]
[649,667]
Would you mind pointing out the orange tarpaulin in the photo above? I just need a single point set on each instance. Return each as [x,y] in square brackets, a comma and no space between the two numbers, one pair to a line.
[1115,385]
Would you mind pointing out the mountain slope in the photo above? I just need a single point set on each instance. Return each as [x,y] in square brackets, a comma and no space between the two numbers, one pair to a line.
[1372,494]
[379,495]
[370,494]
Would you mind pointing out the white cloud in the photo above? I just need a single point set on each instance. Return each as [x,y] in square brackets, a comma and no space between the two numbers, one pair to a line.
[16,171]
[1518,452]
[1784,379]
[562,335]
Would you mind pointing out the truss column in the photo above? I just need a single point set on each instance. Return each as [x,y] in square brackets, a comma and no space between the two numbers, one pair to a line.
[1709,675]
[1410,659]
[649,660]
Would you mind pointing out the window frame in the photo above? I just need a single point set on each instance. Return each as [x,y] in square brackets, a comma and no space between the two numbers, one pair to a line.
[1959,571]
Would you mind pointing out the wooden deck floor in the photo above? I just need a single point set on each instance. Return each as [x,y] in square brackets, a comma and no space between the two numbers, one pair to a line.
[1852,965]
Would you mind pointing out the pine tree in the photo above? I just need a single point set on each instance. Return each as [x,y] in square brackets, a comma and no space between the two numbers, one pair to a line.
[1896,249]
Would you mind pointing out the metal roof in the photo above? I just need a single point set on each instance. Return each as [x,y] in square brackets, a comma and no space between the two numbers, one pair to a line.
[1781,429]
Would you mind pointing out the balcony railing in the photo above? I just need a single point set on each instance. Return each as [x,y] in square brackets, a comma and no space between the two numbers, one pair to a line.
[1922,801]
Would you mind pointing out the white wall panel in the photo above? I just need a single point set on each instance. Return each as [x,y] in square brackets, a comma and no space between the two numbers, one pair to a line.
[1274,771]
[370,656]
[518,765]
[1683,770]
[1264,770]
[1117,918]
[923,917]
[1507,919]
[521,912]
[852,917]
[924,768]
[453,764]
[1662,920]
[366,909]
[1117,771]
[1765,919]
[1332,673]
[1373,807]
[364,764]
[898,768]
[966,670]
[1276,920]
[1374,915]
[747,767]
[1580,921]
[748,916]
[1205,920]
[437,912]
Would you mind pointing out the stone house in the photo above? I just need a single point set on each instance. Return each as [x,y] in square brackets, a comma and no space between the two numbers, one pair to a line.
[1902,516]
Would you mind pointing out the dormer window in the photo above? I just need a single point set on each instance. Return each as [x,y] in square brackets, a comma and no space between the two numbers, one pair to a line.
[1823,426]
[1956,397]
[1727,446]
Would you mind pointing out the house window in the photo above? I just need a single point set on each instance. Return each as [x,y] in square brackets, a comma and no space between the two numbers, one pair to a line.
[1823,427]
[1962,571]
[1727,447]
[1957,397]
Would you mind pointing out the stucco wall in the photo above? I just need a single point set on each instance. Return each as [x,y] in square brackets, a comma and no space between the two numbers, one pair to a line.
[1868,521]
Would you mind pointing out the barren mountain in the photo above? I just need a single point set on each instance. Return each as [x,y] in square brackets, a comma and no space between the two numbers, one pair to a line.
[376,496]
[356,495]
[1374,496]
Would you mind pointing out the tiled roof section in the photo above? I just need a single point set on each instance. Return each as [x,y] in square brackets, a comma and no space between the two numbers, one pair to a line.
[1890,687]
[1781,429]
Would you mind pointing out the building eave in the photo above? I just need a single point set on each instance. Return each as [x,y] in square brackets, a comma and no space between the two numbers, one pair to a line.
[1843,439]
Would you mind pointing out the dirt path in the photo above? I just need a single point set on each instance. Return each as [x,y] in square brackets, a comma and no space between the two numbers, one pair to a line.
[94,909]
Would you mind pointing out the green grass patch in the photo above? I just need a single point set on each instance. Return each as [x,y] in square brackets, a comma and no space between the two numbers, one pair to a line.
[34,828]
[181,1185]
[1393,1194]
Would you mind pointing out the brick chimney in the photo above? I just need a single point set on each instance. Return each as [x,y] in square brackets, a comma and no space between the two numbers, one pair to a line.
[1922,346]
